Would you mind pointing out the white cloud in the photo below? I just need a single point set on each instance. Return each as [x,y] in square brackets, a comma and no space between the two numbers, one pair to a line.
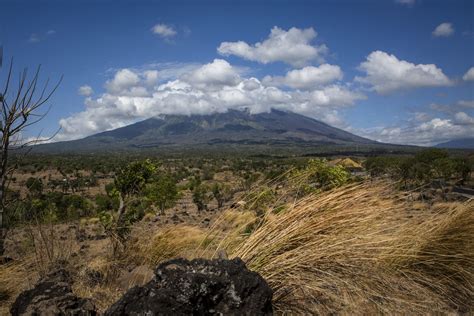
[85,90]
[292,47]
[164,31]
[443,30]
[308,77]
[466,103]
[469,75]
[38,37]
[123,79]
[386,73]
[216,74]
[34,38]
[132,95]
[425,132]
[463,118]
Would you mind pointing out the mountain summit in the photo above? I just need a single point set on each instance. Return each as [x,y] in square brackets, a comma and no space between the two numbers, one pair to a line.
[232,128]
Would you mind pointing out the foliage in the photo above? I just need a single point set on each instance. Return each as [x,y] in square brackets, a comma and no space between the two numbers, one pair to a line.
[132,179]
[222,193]
[317,175]
[423,168]
[201,196]
[34,185]
[261,200]
[163,191]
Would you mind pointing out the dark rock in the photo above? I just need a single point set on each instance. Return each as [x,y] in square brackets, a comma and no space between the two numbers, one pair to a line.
[98,237]
[93,277]
[198,287]
[175,218]
[81,235]
[52,296]
[5,259]
[83,247]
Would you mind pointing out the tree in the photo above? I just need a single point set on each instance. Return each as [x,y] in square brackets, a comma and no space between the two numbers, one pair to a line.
[462,169]
[200,197]
[444,168]
[20,108]
[132,180]
[163,192]
[222,193]
[427,156]
[35,186]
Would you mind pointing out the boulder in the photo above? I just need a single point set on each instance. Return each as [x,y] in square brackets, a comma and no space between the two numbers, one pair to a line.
[198,287]
[52,296]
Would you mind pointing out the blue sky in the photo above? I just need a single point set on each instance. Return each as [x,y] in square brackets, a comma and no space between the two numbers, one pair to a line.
[391,70]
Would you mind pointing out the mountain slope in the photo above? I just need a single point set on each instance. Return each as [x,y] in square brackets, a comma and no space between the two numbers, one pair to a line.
[233,128]
[462,143]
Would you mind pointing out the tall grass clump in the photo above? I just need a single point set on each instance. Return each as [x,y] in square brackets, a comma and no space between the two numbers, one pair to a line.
[365,248]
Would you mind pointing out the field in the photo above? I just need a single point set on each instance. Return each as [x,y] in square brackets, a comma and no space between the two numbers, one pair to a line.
[346,235]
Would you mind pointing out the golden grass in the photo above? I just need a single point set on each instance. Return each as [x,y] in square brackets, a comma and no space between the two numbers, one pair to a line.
[104,293]
[361,249]
[364,249]
[152,247]
[15,277]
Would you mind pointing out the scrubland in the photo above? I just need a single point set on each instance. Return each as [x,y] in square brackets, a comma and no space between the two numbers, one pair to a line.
[354,246]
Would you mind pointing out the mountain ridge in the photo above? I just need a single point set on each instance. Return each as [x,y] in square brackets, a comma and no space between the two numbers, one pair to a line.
[459,143]
[231,128]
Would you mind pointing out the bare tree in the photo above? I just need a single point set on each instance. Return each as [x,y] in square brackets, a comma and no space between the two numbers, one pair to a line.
[20,107]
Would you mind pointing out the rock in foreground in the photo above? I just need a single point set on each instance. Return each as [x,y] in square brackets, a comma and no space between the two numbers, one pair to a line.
[52,296]
[198,287]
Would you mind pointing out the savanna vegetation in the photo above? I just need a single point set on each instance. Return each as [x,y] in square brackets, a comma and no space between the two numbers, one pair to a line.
[344,236]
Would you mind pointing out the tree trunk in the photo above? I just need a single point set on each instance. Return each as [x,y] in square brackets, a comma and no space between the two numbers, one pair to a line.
[3,188]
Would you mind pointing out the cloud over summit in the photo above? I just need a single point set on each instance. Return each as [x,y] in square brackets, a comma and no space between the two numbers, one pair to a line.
[218,86]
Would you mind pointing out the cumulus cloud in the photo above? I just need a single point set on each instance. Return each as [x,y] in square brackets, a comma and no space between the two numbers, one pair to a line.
[133,95]
[469,75]
[308,77]
[386,73]
[424,130]
[164,31]
[443,30]
[216,74]
[85,90]
[292,47]
[462,118]
[124,79]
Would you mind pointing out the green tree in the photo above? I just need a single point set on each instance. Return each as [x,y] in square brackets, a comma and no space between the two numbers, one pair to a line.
[200,197]
[163,192]
[128,183]
[34,186]
[222,193]
[318,175]
[462,169]
[444,168]
[428,156]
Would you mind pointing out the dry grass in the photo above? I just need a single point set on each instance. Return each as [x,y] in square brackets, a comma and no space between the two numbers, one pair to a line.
[364,249]
[361,249]
[152,247]
[15,277]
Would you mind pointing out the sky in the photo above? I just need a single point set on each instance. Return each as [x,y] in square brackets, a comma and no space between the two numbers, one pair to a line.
[398,71]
